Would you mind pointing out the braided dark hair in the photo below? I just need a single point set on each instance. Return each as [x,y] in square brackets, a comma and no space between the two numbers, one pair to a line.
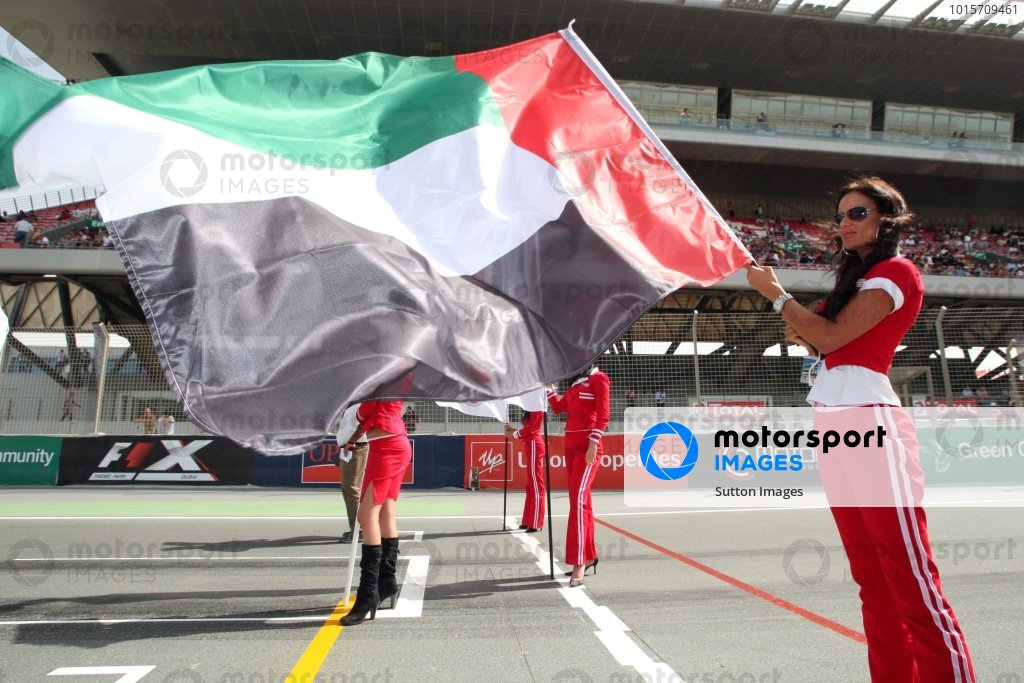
[849,267]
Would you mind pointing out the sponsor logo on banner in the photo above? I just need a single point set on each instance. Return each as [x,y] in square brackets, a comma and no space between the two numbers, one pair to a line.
[29,460]
[487,453]
[320,465]
[156,461]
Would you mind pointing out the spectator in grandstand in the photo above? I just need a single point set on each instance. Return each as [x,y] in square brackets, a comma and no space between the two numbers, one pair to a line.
[147,420]
[389,456]
[165,423]
[910,627]
[684,117]
[759,213]
[69,407]
[410,419]
[762,121]
[22,229]
[730,210]
[588,404]
[533,444]
[660,398]
[631,398]
[3,217]
[352,463]
[37,239]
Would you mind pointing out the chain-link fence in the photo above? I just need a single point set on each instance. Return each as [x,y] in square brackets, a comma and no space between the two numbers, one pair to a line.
[670,357]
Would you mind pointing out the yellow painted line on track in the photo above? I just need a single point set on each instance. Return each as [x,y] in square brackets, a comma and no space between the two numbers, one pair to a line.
[313,658]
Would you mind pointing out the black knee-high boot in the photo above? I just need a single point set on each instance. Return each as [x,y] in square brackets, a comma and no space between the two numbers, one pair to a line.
[387,585]
[367,597]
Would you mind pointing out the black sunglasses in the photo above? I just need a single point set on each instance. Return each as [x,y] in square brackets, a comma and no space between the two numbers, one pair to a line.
[856,214]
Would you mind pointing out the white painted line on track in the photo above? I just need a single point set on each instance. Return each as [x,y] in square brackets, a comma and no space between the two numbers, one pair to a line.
[408,606]
[178,559]
[654,513]
[130,674]
[410,597]
[180,620]
[611,631]
[334,518]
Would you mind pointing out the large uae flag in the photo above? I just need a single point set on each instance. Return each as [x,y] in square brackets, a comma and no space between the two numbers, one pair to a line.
[306,234]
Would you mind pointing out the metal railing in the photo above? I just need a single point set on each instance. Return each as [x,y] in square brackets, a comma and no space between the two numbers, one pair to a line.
[957,355]
[46,200]
[794,128]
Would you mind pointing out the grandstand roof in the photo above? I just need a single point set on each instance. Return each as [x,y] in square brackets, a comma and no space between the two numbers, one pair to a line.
[892,50]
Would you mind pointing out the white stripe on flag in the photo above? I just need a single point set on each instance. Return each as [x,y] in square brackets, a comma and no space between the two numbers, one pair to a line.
[503,190]
[534,401]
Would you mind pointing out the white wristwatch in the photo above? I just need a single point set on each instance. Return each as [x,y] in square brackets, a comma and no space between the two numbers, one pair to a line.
[781,301]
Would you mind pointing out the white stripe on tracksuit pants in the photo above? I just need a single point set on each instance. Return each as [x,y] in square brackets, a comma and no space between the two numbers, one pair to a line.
[911,630]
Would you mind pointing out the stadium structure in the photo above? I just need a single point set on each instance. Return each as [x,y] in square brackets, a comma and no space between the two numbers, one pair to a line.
[768,105]
[227,571]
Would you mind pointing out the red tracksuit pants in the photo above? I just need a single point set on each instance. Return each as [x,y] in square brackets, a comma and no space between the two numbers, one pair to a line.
[533,509]
[912,632]
[579,534]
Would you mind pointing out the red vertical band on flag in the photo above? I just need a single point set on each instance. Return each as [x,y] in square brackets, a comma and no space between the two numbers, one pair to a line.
[555,106]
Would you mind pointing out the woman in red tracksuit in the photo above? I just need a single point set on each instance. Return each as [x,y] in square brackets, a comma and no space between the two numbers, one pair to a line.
[389,456]
[530,433]
[587,403]
[912,632]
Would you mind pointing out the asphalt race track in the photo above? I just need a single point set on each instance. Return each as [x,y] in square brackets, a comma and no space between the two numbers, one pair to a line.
[172,584]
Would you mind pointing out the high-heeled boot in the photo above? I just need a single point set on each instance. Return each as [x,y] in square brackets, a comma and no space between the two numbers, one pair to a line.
[387,584]
[367,598]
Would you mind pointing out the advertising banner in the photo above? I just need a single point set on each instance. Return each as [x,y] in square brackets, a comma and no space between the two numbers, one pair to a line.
[437,462]
[29,460]
[487,453]
[320,465]
[155,460]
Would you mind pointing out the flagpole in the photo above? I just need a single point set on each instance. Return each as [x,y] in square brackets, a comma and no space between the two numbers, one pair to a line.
[352,561]
[504,507]
[547,478]
[355,538]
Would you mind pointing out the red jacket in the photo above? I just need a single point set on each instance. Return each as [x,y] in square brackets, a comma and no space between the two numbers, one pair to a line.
[386,415]
[532,428]
[588,405]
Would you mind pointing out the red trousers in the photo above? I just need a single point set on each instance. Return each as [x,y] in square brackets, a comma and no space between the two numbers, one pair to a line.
[533,509]
[912,632]
[579,534]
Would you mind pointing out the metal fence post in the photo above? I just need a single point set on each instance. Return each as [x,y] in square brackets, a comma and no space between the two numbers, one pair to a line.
[947,385]
[102,346]
[696,356]
[1012,356]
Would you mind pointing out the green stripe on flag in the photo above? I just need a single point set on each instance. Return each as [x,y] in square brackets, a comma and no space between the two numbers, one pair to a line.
[364,111]
[26,97]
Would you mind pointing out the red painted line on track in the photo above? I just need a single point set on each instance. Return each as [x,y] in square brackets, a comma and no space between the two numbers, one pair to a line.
[742,585]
